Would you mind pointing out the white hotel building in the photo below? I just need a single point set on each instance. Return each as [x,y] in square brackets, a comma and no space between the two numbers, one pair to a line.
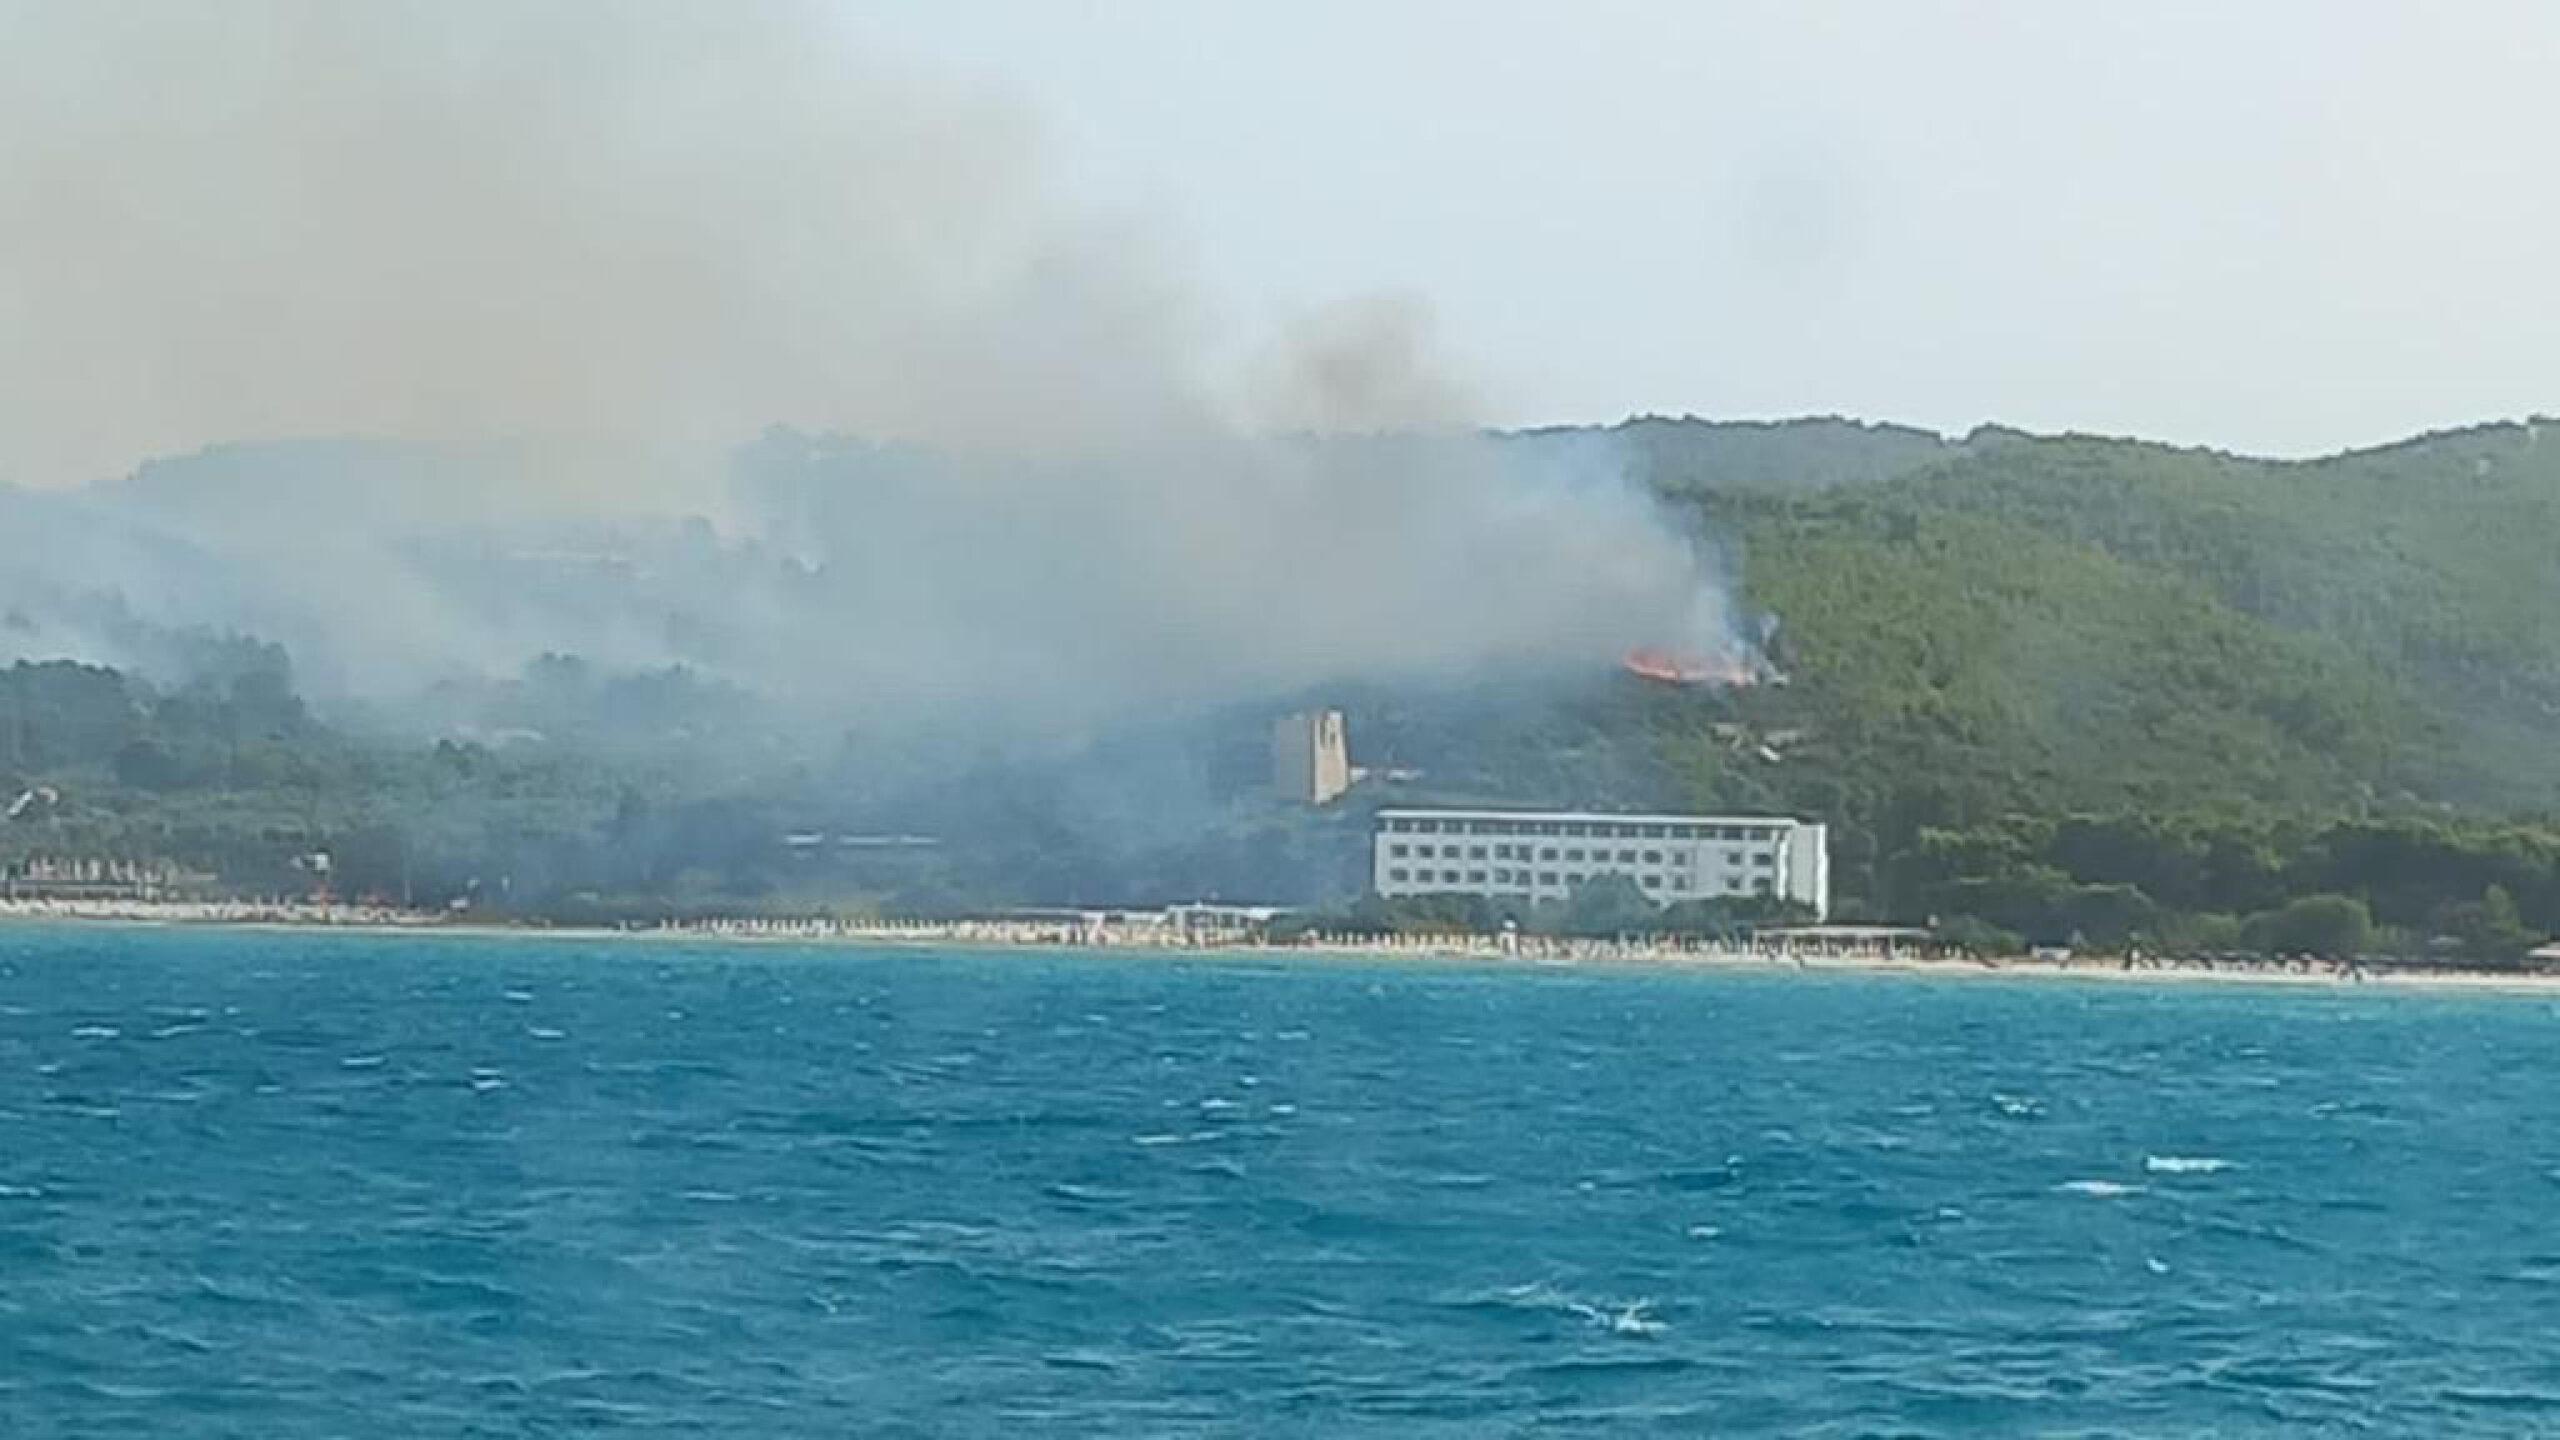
[1542,854]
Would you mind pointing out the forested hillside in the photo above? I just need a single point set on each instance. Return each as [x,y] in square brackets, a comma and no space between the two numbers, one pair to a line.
[2052,687]
[2020,631]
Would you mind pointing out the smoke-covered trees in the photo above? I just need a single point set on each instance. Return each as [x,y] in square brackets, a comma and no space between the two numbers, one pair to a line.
[2074,691]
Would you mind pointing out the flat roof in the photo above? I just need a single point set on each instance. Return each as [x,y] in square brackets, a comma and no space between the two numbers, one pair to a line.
[1844,932]
[1611,817]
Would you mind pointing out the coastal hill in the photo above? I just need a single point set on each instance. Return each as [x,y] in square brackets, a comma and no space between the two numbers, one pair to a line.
[2055,687]
[2091,685]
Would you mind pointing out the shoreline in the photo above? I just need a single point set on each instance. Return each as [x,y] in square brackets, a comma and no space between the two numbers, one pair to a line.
[1539,954]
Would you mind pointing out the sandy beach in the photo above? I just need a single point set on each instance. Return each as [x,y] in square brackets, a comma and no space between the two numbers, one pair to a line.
[1527,952]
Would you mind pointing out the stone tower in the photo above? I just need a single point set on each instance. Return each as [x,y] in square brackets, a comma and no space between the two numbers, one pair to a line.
[1310,758]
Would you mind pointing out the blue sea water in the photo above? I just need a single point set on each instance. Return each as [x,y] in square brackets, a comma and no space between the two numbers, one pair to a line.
[299,1185]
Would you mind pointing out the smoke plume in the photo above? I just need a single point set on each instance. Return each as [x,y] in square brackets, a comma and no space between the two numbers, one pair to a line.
[560,265]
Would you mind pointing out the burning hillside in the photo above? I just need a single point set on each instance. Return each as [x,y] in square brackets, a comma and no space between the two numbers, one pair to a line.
[1727,669]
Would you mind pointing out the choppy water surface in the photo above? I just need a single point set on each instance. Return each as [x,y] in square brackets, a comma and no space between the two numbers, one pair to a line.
[304,1185]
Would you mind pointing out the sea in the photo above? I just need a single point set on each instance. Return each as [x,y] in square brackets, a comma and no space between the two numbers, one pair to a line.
[284,1185]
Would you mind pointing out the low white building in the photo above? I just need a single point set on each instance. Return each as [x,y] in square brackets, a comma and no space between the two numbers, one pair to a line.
[1539,855]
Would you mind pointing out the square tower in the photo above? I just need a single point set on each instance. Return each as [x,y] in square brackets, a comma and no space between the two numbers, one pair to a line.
[1310,757]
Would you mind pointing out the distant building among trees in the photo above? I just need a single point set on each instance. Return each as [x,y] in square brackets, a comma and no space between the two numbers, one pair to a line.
[1310,757]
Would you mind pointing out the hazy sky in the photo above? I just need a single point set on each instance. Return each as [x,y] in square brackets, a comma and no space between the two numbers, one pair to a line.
[2273,225]
[2285,227]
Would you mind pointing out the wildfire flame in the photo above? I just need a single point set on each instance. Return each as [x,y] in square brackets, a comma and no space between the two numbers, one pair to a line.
[1678,667]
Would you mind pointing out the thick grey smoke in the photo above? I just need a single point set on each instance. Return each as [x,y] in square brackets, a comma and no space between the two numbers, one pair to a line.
[568,259]
[1364,366]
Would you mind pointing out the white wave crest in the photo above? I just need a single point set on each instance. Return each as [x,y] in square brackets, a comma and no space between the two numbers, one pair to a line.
[2184,1164]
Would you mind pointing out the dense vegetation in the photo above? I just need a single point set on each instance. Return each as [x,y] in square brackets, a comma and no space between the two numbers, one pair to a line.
[2044,690]
[231,775]
[2101,688]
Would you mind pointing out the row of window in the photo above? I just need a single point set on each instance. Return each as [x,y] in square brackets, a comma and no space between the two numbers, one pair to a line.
[1552,879]
[1398,850]
[1586,829]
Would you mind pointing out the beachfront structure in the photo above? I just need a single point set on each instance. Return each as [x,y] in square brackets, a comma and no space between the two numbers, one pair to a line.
[45,877]
[1543,854]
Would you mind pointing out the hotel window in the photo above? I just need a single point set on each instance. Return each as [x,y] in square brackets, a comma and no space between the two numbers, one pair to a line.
[1399,875]
[1475,877]
[1651,882]
[1573,854]
[1475,852]
[1501,876]
[1679,882]
[1626,857]
[1653,857]
[1450,877]
[1761,884]
[1396,850]
[1547,854]
[1764,859]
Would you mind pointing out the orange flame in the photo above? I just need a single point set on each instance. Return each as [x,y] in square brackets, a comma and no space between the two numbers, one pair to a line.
[1673,667]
